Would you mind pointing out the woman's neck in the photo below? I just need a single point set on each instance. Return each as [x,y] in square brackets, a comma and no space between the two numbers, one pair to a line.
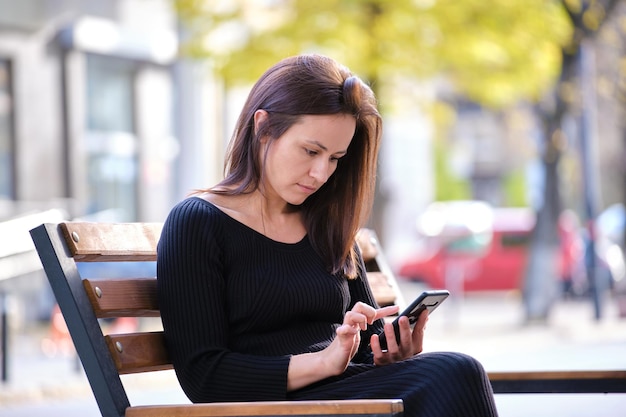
[277,220]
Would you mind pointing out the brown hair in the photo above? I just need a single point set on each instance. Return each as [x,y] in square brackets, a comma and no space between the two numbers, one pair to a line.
[313,85]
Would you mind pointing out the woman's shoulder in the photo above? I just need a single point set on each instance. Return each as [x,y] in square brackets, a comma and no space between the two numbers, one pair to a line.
[194,204]
[193,211]
[206,211]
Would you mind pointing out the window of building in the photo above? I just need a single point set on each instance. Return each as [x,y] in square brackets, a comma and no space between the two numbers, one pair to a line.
[7,156]
[111,142]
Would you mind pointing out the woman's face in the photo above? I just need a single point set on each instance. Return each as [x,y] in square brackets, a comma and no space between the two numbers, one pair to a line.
[306,155]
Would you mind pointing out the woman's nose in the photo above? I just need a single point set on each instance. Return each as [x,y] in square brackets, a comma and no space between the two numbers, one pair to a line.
[319,170]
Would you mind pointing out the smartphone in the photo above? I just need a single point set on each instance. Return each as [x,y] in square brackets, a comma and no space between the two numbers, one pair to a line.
[428,300]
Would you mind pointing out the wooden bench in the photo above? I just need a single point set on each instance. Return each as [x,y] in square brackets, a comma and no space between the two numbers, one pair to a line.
[379,274]
[84,301]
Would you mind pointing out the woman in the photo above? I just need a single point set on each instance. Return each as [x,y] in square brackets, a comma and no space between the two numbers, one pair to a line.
[262,289]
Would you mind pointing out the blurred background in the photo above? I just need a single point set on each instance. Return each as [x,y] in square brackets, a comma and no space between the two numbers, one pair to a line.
[502,174]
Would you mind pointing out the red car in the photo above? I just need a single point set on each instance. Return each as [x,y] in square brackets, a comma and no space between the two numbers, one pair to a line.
[461,258]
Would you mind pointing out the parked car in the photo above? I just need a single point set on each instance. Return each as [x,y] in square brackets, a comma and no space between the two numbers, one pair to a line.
[471,246]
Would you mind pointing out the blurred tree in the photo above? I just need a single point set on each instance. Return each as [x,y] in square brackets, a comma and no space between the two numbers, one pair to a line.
[494,52]
[586,17]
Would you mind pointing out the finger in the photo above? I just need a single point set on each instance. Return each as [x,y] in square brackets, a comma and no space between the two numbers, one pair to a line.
[375,345]
[353,318]
[348,338]
[386,311]
[367,310]
[390,338]
[418,333]
[404,326]
[347,330]
[380,356]
[422,319]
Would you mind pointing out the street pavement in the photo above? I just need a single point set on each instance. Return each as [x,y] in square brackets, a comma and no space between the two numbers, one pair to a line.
[488,326]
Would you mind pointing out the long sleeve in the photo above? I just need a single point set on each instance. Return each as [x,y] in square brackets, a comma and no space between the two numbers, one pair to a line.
[236,305]
[192,296]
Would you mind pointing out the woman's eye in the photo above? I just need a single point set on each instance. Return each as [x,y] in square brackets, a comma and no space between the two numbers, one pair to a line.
[310,152]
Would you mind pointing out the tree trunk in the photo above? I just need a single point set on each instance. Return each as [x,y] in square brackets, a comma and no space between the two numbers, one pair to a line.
[541,278]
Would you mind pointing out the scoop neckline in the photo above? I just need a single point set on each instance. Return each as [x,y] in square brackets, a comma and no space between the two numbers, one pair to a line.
[245,226]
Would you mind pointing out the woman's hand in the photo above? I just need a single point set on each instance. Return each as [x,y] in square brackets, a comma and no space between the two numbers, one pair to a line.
[411,342]
[307,368]
[345,345]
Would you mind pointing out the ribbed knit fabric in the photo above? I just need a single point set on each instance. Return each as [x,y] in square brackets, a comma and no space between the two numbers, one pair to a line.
[236,305]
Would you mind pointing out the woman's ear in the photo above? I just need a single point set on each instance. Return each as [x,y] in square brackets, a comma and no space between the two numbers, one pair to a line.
[260,118]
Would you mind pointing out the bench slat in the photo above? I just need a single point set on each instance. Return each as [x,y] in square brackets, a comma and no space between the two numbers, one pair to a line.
[381,288]
[139,352]
[534,375]
[112,242]
[273,408]
[123,297]
[585,381]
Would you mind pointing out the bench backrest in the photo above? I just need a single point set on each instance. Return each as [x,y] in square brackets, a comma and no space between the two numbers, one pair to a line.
[379,273]
[84,301]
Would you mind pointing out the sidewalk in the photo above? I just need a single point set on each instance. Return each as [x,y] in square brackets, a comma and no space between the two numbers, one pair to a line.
[489,327]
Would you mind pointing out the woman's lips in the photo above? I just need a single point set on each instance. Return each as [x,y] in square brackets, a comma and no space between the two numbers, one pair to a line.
[307,189]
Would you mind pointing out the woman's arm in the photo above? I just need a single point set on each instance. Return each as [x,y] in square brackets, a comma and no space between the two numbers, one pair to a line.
[307,368]
[192,294]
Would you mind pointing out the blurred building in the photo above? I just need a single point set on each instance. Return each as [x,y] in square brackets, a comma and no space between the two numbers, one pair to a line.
[99,119]
[95,107]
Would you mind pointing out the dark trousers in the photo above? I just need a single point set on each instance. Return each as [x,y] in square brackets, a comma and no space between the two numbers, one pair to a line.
[441,384]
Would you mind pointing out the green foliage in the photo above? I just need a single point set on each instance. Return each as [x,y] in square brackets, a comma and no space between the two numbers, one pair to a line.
[515,193]
[447,186]
[494,51]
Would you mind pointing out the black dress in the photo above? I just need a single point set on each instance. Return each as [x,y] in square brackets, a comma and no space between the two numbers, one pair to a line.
[236,305]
